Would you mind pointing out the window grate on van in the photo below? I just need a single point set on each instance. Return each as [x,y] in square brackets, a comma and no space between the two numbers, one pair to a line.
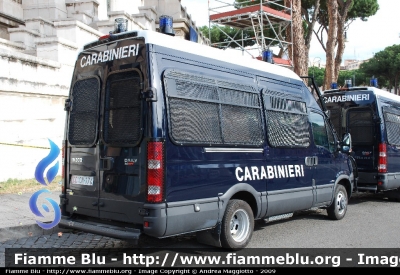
[194,121]
[210,111]
[392,128]
[287,129]
[83,116]
[287,120]
[122,109]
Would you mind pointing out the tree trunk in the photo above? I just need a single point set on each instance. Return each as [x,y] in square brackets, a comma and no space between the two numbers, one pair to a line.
[342,17]
[311,23]
[299,52]
[332,6]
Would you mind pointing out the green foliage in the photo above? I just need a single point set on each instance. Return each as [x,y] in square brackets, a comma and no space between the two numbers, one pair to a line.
[318,74]
[222,35]
[357,78]
[355,75]
[360,9]
[385,65]
[363,9]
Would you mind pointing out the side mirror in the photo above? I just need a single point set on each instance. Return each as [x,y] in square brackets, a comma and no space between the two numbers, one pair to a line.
[346,143]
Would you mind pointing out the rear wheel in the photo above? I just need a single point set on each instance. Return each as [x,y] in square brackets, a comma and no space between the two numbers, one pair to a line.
[338,208]
[237,225]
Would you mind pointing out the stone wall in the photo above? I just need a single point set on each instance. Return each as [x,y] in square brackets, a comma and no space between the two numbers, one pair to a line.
[39,43]
[32,95]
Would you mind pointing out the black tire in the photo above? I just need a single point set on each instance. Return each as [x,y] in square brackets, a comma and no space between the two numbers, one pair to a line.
[237,225]
[337,210]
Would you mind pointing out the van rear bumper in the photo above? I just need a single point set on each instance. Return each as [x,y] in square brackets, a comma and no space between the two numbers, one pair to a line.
[131,234]
[382,181]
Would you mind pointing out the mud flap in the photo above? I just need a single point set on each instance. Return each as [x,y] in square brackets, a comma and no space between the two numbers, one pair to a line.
[210,236]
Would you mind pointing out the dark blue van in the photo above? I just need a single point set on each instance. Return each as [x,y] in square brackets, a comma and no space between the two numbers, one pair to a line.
[372,116]
[166,136]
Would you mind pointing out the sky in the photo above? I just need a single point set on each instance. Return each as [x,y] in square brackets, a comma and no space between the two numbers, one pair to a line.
[364,38]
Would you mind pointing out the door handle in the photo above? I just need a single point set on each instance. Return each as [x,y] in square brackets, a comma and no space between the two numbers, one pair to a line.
[107,163]
[311,161]
[101,204]
[94,203]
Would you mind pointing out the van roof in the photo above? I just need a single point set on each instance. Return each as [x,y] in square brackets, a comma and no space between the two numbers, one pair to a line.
[175,43]
[376,91]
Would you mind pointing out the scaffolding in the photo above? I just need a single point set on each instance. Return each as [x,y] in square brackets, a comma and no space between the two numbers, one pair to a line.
[265,24]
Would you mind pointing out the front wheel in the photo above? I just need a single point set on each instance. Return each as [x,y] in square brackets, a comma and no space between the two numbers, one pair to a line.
[237,225]
[338,208]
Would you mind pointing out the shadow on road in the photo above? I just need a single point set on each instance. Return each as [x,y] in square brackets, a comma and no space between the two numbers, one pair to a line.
[358,198]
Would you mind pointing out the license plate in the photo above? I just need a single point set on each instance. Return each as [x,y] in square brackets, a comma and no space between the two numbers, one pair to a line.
[82,180]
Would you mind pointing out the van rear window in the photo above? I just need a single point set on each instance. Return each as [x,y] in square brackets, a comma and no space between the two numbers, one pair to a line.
[209,111]
[82,129]
[361,126]
[122,109]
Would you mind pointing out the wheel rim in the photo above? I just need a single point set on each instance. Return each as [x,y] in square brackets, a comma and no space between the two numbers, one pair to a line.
[341,202]
[240,225]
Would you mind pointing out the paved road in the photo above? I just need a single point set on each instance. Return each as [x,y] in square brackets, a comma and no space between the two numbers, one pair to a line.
[371,222]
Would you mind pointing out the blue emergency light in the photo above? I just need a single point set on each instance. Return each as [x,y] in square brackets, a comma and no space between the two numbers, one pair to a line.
[267,56]
[166,23]
[374,82]
[120,25]
[334,85]
[348,83]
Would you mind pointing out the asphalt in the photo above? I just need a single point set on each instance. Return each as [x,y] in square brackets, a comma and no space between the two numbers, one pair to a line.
[17,219]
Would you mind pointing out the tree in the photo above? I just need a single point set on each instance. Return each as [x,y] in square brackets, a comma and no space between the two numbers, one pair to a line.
[300,54]
[309,12]
[334,18]
[385,65]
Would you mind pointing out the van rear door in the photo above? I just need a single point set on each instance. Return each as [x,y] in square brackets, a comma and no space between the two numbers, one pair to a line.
[354,112]
[361,126]
[105,162]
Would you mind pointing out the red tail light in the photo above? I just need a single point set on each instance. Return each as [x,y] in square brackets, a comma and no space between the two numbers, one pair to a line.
[155,171]
[382,162]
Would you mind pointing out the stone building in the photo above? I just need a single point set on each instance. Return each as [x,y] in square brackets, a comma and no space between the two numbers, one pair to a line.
[39,42]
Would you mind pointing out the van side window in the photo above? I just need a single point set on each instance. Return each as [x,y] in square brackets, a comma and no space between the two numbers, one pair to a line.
[287,122]
[84,112]
[392,121]
[361,126]
[210,111]
[323,135]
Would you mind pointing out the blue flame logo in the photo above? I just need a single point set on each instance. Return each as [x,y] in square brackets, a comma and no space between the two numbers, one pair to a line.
[52,172]
[35,210]
[50,175]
